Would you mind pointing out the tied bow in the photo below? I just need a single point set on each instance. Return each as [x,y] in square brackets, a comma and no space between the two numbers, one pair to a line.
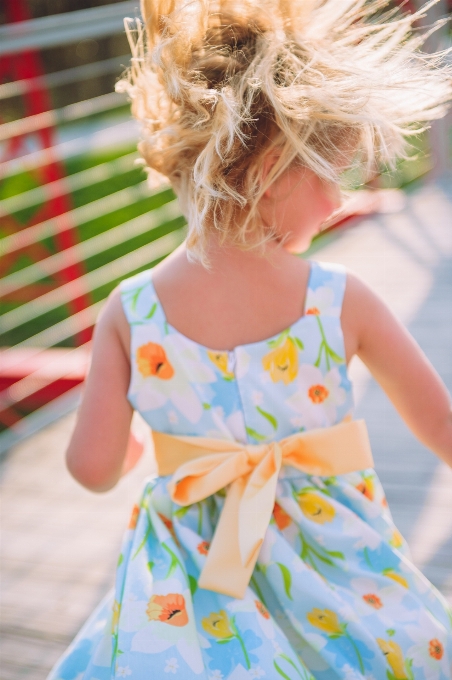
[201,466]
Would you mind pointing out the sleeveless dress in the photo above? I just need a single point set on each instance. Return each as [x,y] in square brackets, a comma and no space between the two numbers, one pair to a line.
[333,594]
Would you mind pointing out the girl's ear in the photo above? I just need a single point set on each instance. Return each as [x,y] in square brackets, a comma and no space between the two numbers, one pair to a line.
[268,164]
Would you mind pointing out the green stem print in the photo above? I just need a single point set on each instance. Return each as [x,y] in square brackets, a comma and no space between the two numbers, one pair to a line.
[175,562]
[310,554]
[242,644]
[328,622]
[304,674]
[327,349]
[223,629]
[255,586]
[200,518]
[357,652]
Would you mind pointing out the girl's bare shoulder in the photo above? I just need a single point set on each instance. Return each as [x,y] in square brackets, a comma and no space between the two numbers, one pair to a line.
[112,321]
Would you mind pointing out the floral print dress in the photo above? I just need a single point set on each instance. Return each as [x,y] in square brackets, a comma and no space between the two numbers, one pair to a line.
[334,593]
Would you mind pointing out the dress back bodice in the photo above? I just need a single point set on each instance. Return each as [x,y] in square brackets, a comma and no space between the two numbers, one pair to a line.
[258,392]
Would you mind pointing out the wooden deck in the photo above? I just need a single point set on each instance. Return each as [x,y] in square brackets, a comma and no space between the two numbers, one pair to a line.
[60,543]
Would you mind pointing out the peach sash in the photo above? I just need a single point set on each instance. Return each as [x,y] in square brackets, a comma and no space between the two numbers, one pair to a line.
[201,466]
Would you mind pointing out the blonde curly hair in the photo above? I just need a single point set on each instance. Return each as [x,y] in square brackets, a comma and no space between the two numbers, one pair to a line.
[219,85]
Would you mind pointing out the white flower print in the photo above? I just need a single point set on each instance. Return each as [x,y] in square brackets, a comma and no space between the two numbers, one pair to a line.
[297,421]
[387,600]
[123,671]
[187,367]
[277,647]
[216,675]
[350,673]
[153,636]
[317,396]
[257,397]
[256,672]
[171,665]
[320,301]
[429,650]
[367,537]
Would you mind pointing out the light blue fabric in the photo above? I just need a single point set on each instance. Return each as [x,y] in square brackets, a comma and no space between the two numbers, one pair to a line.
[334,594]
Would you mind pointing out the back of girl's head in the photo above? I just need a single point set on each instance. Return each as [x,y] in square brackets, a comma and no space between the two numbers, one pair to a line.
[220,85]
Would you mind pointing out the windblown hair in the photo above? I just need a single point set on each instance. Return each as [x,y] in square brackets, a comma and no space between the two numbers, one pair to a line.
[219,85]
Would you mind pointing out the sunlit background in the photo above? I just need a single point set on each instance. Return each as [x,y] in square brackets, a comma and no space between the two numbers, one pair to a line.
[76,217]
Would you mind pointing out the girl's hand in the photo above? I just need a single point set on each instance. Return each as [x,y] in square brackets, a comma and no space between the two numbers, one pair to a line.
[135,450]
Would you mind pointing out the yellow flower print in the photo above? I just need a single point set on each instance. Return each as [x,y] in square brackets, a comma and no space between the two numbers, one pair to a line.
[220,359]
[394,657]
[396,539]
[282,362]
[316,508]
[217,625]
[115,617]
[152,361]
[325,620]
[396,577]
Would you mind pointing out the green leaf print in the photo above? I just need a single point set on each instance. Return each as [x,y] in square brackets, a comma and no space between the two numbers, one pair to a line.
[175,562]
[255,435]
[271,419]
[390,632]
[279,340]
[152,311]
[135,296]
[151,566]
[298,343]
[287,578]
[145,538]
[325,348]
[305,675]
[182,511]
[120,560]
[193,584]
[280,671]
[206,406]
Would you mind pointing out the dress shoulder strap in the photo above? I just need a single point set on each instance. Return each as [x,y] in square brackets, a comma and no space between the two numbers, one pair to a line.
[326,288]
[138,297]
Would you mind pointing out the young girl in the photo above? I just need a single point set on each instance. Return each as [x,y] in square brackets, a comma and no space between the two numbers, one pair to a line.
[264,548]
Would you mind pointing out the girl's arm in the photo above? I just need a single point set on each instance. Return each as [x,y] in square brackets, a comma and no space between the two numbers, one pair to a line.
[398,364]
[96,455]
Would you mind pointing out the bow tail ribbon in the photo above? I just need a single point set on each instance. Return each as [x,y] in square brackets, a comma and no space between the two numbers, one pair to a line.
[251,473]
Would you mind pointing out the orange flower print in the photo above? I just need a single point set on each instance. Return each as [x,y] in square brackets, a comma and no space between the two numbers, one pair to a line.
[316,508]
[373,600]
[203,547]
[367,488]
[313,310]
[282,362]
[168,609]
[134,517]
[436,649]
[262,609]
[152,361]
[169,525]
[282,519]
[318,393]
